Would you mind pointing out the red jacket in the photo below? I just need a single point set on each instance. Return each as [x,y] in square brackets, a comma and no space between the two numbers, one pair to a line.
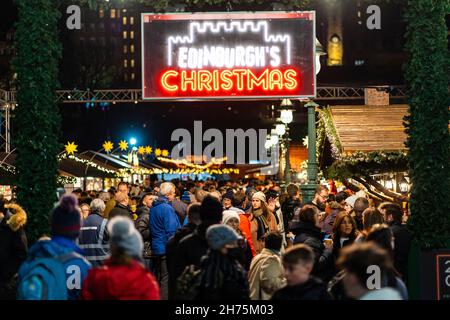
[113,282]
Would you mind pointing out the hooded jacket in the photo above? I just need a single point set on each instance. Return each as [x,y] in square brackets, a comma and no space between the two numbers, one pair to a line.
[163,224]
[13,242]
[118,282]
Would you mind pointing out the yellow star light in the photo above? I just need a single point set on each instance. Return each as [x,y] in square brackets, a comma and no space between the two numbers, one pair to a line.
[148,149]
[71,147]
[158,152]
[165,153]
[141,150]
[123,145]
[108,146]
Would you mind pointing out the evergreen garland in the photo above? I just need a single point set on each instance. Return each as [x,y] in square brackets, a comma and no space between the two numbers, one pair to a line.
[427,76]
[37,116]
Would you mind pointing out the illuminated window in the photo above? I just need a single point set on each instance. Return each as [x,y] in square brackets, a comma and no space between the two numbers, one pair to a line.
[113,13]
[131,34]
[132,48]
[131,20]
[125,63]
[101,13]
[124,10]
[125,49]
[132,63]
[125,34]
[124,20]
[125,77]
[132,76]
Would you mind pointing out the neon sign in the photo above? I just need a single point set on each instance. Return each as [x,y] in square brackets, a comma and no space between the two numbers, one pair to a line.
[228,55]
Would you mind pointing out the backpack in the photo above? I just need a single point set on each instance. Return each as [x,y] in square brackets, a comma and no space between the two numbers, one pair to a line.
[188,283]
[44,278]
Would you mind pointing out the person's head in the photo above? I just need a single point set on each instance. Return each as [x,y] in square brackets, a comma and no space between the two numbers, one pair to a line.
[85,210]
[344,226]
[216,194]
[298,262]
[258,199]
[361,204]
[125,241]
[309,214]
[147,200]
[200,195]
[122,187]
[66,218]
[185,197]
[190,186]
[239,199]
[227,199]
[293,190]
[371,217]
[168,190]
[273,241]
[147,183]
[355,261]
[221,237]
[340,197]
[321,195]
[193,213]
[350,203]
[393,213]
[121,198]
[98,205]
[104,196]
[211,210]
[231,218]
[77,193]
[382,235]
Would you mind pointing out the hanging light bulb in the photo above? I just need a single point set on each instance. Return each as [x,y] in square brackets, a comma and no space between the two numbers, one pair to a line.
[273,137]
[404,185]
[286,116]
[280,129]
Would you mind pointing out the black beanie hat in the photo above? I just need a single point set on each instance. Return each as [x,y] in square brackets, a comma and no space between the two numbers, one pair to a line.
[211,210]
[66,219]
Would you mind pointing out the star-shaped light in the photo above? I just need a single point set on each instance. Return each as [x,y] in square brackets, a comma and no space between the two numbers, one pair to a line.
[108,146]
[123,145]
[148,149]
[165,153]
[158,152]
[305,141]
[71,147]
[141,150]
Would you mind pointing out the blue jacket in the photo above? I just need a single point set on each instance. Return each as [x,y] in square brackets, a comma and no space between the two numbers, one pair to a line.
[163,224]
[59,246]
[94,239]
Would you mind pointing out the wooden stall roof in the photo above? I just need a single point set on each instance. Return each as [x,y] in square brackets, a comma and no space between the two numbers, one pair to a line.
[369,128]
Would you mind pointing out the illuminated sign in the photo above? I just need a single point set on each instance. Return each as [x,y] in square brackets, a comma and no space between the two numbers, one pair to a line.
[258,55]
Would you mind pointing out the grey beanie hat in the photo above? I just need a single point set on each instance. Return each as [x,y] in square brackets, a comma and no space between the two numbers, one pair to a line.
[124,235]
[219,235]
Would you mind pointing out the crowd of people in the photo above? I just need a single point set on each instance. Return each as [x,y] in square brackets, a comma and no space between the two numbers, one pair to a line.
[208,240]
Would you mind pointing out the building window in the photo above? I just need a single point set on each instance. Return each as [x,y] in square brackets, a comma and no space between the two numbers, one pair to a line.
[132,48]
[131,34]
[132,63]
[125,34]
[113,13]
[131,20]
[125,49]
[125,63]
[101,13]
[124,21]
[132,76]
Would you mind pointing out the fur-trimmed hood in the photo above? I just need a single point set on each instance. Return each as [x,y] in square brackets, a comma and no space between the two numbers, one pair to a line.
[18,217]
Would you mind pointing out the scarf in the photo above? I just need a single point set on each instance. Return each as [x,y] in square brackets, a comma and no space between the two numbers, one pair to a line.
[263,225]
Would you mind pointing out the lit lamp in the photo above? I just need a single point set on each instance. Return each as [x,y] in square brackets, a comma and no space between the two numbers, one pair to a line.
[389,184]
[319,52]
[280,129]
[286,116]
[404,185]
[273,137]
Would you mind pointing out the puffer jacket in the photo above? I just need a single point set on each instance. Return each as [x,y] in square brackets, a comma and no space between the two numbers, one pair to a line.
[163,224]
[13,247]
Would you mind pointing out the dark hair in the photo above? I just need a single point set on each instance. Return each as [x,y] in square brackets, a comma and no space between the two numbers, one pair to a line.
[211,210]
[341,196]
[193,212]
[394,210]
[273,241]
[356,258]
[361,204]
[271,194]
[292,190]
[308,214]
[121,183]
[238,199]
[382,235]
[190,185]
[299,253]
[371,217]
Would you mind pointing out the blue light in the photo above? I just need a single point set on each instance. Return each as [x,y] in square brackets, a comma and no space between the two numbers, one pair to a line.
[133,141]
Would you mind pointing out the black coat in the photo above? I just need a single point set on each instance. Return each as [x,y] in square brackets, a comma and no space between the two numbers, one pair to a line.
[121,210]
[13,251]
[288,208]
[402,245]
[311,235]
[313,289]
[143,227]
